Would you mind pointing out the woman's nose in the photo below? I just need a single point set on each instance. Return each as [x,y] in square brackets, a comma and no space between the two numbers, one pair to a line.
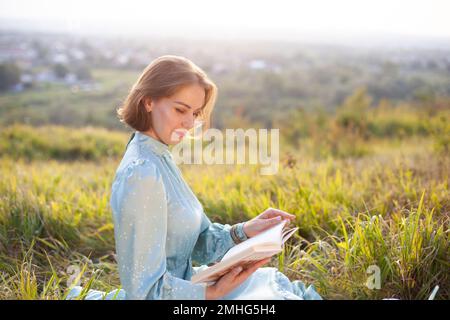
[188,123]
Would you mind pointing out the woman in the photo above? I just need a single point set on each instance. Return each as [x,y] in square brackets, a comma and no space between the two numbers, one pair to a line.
[160,226]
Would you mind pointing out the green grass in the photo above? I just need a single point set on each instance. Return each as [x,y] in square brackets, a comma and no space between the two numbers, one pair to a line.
[388,208]
[60,143]
[62,105]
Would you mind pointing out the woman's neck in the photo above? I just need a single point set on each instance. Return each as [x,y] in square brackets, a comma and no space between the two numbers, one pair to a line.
[153,134]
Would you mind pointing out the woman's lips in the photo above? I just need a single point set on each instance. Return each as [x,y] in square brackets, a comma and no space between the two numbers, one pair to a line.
[179,134]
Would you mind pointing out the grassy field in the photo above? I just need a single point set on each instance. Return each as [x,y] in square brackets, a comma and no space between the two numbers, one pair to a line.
[68,105]
[387,207]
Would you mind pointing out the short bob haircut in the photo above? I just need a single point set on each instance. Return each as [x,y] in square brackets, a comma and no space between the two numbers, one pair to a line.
[162,78]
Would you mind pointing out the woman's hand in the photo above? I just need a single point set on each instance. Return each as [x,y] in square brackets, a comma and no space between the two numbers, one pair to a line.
[232,279]
[265,220]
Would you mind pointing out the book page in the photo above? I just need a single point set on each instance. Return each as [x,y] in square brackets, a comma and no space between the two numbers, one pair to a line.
[244,259]
[288,233]
[268,237]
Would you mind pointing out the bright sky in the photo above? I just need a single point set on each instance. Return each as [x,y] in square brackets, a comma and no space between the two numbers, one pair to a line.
[327,17]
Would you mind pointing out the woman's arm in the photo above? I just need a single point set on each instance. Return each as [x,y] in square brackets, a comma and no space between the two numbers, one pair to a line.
[213,242]
[140,225]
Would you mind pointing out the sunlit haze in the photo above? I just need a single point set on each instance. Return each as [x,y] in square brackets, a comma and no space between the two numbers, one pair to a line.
[281,19]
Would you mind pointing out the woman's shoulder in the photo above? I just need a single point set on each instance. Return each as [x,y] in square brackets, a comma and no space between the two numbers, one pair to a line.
[138,168]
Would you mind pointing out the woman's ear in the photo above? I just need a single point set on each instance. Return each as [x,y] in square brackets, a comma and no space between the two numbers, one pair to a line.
[148,103]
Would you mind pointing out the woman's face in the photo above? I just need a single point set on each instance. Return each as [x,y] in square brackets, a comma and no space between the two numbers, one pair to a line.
[173,116]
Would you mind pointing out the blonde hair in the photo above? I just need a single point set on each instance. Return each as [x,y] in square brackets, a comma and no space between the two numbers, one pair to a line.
[162,78]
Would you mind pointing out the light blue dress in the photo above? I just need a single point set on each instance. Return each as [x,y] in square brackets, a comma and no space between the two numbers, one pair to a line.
[161,228]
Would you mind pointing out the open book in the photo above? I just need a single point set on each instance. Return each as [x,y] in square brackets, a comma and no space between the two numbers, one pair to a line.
[264,245]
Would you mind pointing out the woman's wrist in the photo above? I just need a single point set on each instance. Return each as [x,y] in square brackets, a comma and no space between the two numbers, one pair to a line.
[241,232]
[237,233]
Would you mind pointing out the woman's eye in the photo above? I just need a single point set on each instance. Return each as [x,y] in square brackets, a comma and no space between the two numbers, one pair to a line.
[196,114]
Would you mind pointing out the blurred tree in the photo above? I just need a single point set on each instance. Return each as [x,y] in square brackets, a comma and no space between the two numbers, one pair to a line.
[9,75]
[83,73]
[41,50]
[352,114]
[60,70]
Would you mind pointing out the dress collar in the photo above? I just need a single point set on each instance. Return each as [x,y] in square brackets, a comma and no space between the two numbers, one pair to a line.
[157,146]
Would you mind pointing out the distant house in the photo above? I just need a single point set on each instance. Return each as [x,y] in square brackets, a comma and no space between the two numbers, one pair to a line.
[257,64]
[60,58]
[45,76]
[70,78]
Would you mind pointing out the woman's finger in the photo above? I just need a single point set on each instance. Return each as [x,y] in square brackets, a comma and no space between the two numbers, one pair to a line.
[271,212]
[235,272]
[284,214]
[270,220]
[255,266]
[263,261]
